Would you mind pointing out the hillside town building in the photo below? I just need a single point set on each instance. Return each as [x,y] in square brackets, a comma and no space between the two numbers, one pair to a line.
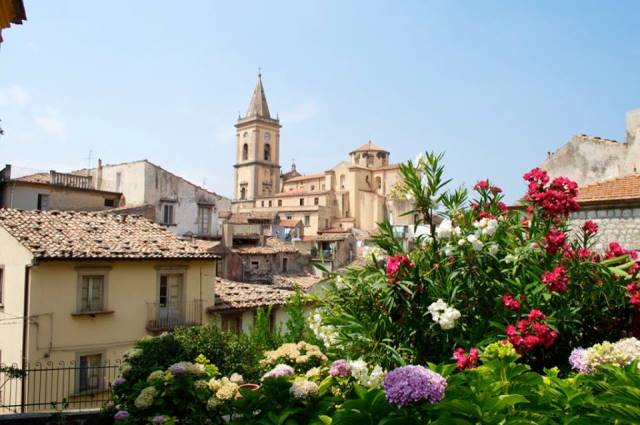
[186,209]
[352,194]
[587,159]
[54,191]
[80,288]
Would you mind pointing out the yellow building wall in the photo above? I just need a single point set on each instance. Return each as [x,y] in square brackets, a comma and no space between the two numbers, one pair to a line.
[57,335]
[13,258]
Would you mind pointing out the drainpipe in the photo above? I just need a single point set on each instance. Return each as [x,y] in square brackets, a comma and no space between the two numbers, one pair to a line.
[25,335]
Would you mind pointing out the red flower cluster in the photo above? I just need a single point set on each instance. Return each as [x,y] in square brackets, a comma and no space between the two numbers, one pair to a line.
[395,263]
[616,250]
[556,199]
[555,241]
[590,227]
[466,361]
[556,280]
[510,302]
[531,333]
[481,185]
[633,289]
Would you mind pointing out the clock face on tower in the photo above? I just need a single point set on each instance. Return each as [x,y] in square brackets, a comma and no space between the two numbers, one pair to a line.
[267,136]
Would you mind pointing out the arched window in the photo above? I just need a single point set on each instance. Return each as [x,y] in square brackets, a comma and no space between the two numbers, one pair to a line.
[342,178]
[267,152]
[243,192]
[245,152]
[379,182]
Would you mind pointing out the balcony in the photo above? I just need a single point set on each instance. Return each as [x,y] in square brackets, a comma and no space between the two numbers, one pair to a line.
[71,180]
[163,317]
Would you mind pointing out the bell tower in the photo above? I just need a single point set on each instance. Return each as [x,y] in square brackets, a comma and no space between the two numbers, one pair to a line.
[257,167]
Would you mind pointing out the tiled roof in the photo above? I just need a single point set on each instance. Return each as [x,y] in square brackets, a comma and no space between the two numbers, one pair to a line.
[272,246]
[308,177]
[91,235]
[305,282]
[232,295]
[246,217]
[615,189]
[330,237]
[289,223]
[369,147]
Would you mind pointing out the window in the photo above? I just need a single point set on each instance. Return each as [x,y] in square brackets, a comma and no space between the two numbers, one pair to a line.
[90,372]
[243,192]
[219,267]
[285,264]
[167,214]
[369,160]
[289,217]
[110,203]
[301,201]
[379,182]
[326,223]
[92,292]
[267,152]
[170,293]
[262,204]
[313,187]
[279,202]
[204,220]
[316,201]
[255,265]
[342,178]
[43,201]
[1,287]
[245,152]
[307,220]
[231,323]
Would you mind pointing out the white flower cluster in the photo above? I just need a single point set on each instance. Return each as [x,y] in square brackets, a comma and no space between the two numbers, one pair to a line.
[360,372]
[145,398]
[303,389]
[223,389]
[327,333]
[619,353]
[486,226]
[446,229]
[444,315]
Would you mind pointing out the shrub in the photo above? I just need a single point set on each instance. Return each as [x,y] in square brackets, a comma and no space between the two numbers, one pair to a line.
[476,276]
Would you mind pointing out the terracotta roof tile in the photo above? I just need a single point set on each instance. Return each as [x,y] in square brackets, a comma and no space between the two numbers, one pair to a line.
[272,246]
[615,189]
[304,282]
[368,147]
[232,295]
[76,234]
[44,178]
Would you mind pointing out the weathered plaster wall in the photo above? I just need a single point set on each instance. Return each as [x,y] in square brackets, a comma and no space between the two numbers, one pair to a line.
[588,159]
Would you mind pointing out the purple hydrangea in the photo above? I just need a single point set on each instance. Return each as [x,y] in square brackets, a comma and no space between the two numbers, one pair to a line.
[410,384]
[178,368]
[278,371]
[577,360]
[340,368]
[121,415]
[158,419]
[118,381]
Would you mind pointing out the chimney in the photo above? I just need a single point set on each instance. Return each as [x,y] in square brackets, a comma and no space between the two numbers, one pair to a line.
[99,175]
[633,126]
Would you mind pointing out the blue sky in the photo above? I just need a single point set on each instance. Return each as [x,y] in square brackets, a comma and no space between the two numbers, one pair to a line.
[494,84]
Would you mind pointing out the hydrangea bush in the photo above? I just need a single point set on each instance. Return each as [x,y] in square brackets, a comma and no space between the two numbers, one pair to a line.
[480,271]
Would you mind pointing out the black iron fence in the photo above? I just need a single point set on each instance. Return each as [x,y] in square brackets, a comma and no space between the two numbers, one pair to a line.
[168,315]
[56,386]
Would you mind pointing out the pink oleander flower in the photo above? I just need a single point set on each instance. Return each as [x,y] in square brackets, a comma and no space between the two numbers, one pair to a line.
[510,302]
[464,360]
[556,280]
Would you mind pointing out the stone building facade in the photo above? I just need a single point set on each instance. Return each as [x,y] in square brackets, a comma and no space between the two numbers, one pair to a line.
[614,205]
[353,194]
[588,159]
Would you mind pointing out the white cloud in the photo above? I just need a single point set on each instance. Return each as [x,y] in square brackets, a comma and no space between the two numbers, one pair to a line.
[51,123]
[301,113]
[14,95]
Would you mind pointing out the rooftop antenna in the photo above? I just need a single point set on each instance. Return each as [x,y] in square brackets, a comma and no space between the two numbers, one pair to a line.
[89,161]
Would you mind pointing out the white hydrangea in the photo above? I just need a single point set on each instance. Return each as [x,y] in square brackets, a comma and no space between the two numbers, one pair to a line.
[360,372]
[493,249]
[461,242]
[302,389]
[376,377]
[448,250]
[444,315]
